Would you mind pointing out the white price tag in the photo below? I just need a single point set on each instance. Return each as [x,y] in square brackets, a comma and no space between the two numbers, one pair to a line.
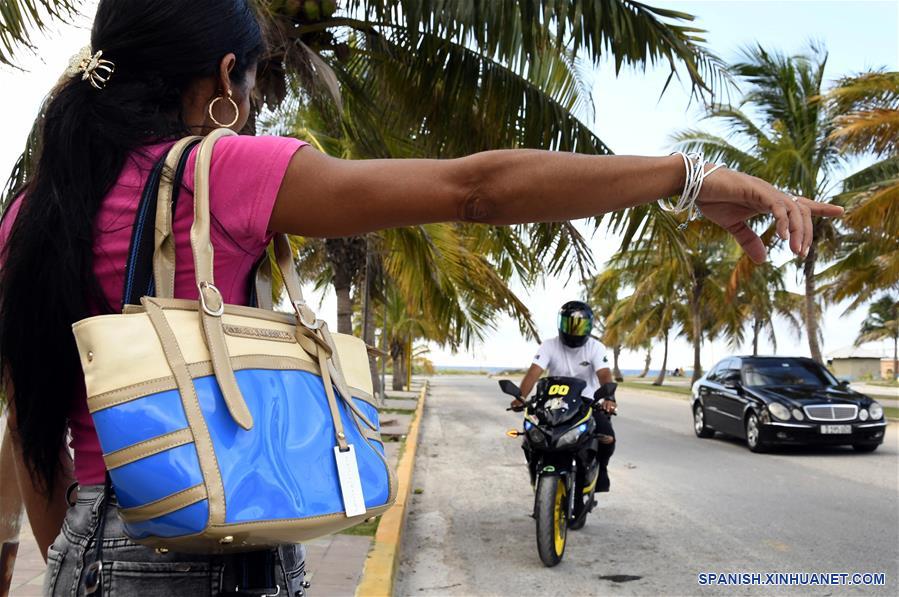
[350,483]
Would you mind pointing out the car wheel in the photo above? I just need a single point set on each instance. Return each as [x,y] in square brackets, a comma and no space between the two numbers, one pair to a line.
[865,447]
[753,437]
[699,426]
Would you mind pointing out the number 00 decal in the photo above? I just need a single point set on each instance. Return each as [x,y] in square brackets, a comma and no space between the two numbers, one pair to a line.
[558,390]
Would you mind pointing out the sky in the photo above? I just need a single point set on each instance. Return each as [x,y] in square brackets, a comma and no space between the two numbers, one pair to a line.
[629,116]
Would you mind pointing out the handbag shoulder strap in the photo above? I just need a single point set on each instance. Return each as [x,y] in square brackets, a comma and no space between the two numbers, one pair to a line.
[140,249]
[159,194]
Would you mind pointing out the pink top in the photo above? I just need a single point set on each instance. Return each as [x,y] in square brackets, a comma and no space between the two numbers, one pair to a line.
[245,177]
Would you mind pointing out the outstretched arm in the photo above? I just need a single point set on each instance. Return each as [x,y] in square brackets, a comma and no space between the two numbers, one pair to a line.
[329,197]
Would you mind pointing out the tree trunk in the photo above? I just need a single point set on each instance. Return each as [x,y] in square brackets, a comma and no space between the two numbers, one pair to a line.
[397,355]
[368,323]
[347,257]
[696,307]
[810,311]
[661,378]
[756,329]
[344,309]
[646,363]
[616,372]
[409,365]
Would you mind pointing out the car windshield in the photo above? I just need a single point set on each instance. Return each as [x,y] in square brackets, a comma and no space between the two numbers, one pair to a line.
[786,372]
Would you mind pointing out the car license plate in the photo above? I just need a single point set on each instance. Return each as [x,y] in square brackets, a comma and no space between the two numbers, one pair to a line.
[836,429]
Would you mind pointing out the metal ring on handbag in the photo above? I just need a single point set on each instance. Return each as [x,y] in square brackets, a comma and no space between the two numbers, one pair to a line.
[213,312]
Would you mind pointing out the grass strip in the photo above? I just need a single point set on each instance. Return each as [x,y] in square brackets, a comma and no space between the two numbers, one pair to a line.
[631,385]
[365,529]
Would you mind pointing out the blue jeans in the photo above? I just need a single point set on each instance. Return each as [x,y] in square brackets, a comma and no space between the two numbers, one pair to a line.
[133,570]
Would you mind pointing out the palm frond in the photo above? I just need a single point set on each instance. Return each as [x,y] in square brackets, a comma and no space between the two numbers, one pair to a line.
[635,34]
[20,19]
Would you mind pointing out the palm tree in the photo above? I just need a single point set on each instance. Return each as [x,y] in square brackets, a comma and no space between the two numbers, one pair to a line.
[867,106]
[867,122]
[647,360]
[782,132]
[706,249]
[602,294]
[882,323]
[755,296]
[657,302]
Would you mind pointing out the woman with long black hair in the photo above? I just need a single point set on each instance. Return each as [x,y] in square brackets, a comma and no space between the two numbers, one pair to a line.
[158,70]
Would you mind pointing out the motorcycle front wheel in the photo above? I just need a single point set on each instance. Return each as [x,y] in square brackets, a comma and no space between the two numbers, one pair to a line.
[552,515]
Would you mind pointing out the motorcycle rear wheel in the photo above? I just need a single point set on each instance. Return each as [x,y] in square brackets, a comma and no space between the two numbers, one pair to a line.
[552,514]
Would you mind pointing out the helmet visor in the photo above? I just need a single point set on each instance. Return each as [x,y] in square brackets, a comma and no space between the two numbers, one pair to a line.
[575,324]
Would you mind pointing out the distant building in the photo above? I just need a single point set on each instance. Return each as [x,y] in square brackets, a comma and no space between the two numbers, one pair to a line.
[861,362]
[886,368]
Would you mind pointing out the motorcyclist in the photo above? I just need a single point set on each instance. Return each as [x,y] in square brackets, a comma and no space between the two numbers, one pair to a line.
[575,353]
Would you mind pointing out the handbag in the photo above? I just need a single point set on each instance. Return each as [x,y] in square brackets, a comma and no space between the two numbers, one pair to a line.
[224,427]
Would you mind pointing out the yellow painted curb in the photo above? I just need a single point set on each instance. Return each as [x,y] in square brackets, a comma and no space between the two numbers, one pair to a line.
[383,559]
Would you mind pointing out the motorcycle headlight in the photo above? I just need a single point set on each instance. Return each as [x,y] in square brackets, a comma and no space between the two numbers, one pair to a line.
[875,410]
[863,415]
[797,414]
[536,436]
[779,411]
[571,436]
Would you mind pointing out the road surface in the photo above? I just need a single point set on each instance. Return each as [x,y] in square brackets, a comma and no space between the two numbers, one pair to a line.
[679,506]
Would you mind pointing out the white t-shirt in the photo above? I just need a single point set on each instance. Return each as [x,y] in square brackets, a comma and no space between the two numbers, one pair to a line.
[582,362]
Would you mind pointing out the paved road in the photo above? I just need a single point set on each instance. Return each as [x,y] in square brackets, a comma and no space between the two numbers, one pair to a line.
[679,506]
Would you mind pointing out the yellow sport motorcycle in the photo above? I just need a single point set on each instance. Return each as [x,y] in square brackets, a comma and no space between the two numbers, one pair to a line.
[560,444]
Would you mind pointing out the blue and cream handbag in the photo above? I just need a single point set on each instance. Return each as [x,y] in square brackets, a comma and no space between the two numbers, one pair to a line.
[229,428]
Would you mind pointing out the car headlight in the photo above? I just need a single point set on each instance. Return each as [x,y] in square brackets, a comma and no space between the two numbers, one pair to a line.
[571,436]
[875,410]
[863,415]
[779,411]
[797,414]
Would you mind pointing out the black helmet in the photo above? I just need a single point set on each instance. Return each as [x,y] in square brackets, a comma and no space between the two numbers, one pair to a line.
[575,323]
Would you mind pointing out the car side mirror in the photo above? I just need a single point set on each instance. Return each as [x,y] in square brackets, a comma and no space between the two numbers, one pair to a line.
[731,381]
[605,391]
[844,383]
[509,388]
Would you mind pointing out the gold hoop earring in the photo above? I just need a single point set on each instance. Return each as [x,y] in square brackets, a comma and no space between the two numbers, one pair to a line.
[233,103]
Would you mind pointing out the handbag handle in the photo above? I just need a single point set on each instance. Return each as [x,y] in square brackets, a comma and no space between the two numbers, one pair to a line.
[164,241]
[164,244]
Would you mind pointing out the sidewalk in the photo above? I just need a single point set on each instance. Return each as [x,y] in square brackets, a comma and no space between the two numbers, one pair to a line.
[334,564]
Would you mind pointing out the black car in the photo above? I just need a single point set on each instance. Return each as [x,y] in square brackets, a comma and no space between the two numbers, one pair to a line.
[772,401]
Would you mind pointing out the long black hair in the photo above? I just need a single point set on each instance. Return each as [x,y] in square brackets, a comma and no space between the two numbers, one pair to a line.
[159,47]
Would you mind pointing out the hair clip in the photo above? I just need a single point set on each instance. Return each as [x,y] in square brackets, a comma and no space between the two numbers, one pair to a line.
[92,67]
